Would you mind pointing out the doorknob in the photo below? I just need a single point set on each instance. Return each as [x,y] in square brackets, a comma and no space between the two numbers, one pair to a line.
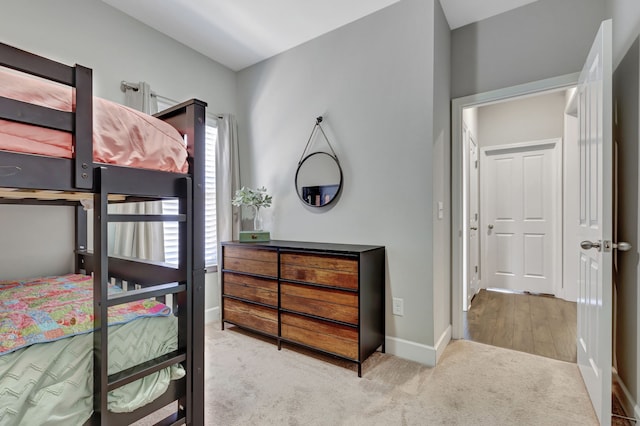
[586,245]
[608,245]
[490,226]
[622,246]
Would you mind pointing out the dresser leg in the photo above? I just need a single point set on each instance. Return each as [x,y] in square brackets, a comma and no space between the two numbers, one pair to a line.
[359,369]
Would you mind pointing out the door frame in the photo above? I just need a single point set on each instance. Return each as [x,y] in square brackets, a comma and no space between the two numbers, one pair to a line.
[555,146]
[471,168]
[459,231]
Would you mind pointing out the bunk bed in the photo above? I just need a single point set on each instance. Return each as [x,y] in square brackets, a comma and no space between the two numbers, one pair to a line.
[81,176]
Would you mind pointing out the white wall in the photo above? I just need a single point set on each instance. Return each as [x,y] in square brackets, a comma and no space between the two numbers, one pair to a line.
[373,81]
[521,120]
[571,206]
[116,47]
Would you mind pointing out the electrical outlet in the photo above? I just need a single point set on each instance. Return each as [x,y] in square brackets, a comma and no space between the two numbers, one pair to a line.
[398,306]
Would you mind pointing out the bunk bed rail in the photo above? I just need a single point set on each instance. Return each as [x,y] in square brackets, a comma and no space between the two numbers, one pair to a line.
[79,123]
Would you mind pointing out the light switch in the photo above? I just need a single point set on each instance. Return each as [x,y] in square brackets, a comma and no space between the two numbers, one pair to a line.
[440,209]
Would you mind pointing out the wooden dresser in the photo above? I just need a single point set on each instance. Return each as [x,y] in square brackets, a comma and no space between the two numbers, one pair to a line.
[327,297]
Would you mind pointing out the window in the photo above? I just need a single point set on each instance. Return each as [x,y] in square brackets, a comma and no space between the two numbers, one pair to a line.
[210,233]
[171,206]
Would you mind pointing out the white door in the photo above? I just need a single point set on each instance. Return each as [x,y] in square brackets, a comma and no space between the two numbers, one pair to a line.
[595,300]
[474,245]
[520,199]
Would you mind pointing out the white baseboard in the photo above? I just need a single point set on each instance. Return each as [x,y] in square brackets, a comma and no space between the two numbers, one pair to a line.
[212,315]
[630,406]
[418,352]
[442,343]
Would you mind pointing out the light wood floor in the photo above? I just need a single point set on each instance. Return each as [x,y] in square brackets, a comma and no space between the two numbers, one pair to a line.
[539,325]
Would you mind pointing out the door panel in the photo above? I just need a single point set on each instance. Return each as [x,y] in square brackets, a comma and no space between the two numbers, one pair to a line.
[506,185]
[534,245]
[595,298]
[533,187]
[505,261]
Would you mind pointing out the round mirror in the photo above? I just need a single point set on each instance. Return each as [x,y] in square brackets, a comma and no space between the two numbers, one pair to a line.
[318,179]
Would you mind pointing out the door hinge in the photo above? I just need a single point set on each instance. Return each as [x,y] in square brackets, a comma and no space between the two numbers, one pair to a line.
[475,164]
[476,269]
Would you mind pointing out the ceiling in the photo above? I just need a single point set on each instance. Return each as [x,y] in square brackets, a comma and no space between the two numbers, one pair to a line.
[240,33]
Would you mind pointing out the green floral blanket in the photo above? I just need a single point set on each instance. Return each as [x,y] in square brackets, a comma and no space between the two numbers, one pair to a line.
[51,308]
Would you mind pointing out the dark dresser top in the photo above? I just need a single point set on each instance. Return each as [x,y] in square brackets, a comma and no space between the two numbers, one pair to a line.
[304,245]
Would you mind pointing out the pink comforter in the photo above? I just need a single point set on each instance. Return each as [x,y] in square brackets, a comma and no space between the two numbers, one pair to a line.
[121,135]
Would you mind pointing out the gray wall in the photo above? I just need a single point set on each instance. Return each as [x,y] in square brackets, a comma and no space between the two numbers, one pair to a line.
[441,163]
[117,47]
[543,39]
[626,18]
[39,240]
[627,133]
[626,80]
[373,81]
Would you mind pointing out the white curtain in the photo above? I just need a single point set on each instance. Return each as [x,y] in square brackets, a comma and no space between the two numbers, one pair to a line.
[139,96]
[139,240]
[227,180]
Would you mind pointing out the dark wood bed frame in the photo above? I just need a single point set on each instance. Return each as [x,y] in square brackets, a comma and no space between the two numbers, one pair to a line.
[81,174]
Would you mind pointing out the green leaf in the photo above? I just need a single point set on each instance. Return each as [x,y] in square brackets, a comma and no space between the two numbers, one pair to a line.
[252,197]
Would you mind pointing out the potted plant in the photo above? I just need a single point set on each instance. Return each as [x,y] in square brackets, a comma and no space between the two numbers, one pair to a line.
[254,198]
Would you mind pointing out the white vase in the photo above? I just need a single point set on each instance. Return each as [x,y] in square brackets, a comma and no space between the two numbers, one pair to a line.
[257,219]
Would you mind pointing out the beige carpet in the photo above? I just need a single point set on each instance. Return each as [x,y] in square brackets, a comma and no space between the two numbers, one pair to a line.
[250,382]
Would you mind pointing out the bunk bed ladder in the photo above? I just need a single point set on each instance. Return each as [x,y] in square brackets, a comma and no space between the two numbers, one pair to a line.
[182,290]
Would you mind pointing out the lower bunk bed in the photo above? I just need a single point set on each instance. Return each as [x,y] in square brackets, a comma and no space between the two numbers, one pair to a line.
[46,350]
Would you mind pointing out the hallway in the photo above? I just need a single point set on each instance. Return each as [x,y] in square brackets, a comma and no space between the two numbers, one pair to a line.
[538,325]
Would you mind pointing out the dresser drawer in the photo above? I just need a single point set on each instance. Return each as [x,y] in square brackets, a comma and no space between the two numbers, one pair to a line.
[335,338]
[251,260]
[322,302]
[256,317]
[329,270]
[261,290]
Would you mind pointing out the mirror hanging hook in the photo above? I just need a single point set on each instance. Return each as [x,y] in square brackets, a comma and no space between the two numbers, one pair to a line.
[319,120]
